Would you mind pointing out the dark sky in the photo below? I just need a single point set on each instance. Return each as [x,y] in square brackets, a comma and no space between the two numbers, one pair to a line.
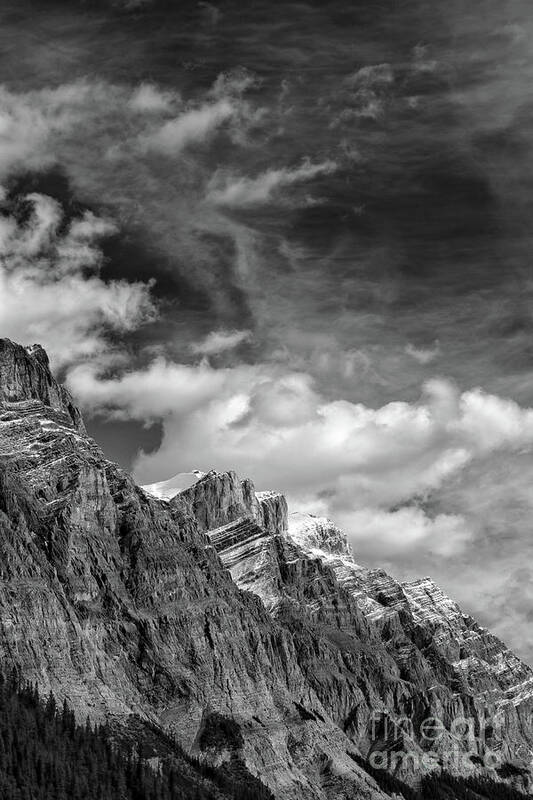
[291,239]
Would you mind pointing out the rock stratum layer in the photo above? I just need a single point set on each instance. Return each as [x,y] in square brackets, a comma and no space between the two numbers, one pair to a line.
[249,635]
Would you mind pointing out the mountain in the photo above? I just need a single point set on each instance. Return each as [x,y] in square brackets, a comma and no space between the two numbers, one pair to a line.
[204,613]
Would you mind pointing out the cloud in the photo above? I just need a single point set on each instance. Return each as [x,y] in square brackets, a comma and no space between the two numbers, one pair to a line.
[405,529]
[50,288]
[92,133]
[161,390]
[38,128]
[357,464]
[242,192]
[220,342]
[28,121]
[234,83]
[191,127]
[365,94]
[222,107]
[421,63]
[371,75]
[148,98]
[211,12]
[424,355]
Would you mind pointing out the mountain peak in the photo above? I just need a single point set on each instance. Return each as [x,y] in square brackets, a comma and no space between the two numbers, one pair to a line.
[318,534]
[25,375]
[38,352]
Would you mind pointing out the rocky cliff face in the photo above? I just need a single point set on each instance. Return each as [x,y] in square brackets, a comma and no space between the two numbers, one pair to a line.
[443,653]
[118,602]
[208,613]
[25,376]
[418,656]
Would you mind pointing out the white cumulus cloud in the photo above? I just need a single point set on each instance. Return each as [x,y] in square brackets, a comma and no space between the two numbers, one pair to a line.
[50,287]
[343,459]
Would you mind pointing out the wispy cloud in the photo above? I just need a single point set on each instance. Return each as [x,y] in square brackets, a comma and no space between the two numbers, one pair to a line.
[424,355]
[220,342]
[29,121]
[371,75]
[239,192]
[190,127]
[148,98]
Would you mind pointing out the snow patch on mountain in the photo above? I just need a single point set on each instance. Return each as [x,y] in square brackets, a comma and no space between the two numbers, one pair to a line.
[166,490]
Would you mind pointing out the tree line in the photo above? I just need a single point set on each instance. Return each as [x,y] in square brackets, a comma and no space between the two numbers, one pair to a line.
[46,755]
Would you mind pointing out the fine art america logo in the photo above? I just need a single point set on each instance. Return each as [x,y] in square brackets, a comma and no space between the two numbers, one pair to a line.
[457,745]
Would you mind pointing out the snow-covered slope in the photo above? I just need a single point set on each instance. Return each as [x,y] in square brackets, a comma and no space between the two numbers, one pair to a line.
[166,490]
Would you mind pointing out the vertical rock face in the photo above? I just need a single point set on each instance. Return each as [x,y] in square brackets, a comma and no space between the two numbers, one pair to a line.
[215,611]
[219,498]
[25,375]
[274,512]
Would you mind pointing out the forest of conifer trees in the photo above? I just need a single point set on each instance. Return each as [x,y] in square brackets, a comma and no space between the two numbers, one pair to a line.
[46,755]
